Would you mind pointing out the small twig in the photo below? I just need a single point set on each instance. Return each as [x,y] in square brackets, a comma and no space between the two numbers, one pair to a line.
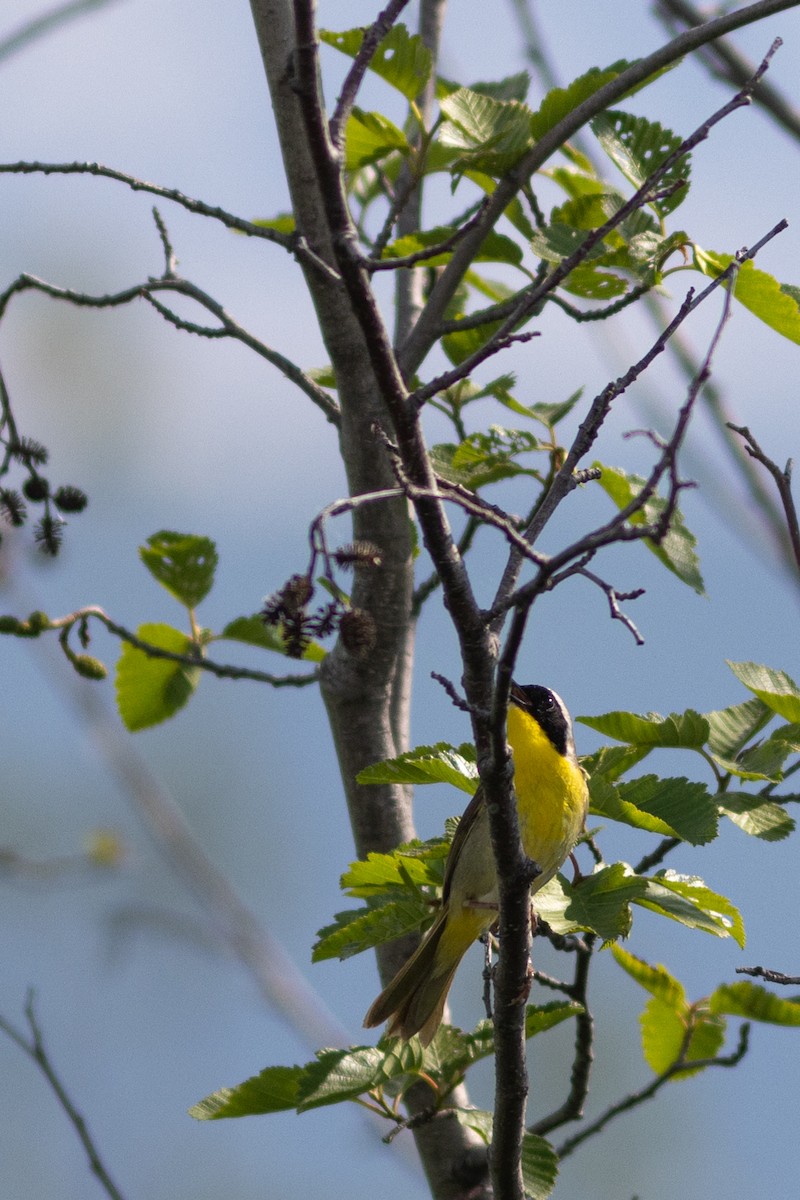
[783,482]
[230,327]
[572,1108]
[769,976]
[646,1093]
[170,261]
[35,1049]
[614,597]
[192,659]
[726,62]
[493,346]
[372,39]
[450,688]
[664,847]
[419,256]
[294,243]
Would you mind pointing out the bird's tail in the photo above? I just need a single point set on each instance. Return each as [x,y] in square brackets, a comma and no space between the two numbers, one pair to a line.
[415,998]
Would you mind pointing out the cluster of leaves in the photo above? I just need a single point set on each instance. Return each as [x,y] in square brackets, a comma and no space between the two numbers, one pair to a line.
[36,489]
[399,892]
[483,132]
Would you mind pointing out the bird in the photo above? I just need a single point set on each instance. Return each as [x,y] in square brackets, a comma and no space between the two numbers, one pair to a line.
[552,799]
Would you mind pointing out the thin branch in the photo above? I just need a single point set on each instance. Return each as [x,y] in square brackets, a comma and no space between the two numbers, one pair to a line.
[583,1058]
[35,1049]
[464,369]
[169,283]
[646,1093]
[614,597]
[589,430]
[424,333]
[727,63]
[421,256]
[30,31]
[372,39]
[190,659]
[295,244]
[783,482]
[769,976]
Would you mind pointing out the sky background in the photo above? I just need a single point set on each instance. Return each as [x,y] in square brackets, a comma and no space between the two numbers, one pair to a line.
[142,1010]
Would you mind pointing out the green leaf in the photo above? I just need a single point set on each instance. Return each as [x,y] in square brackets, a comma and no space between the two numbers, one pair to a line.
[283,223]
[339,1075]
[637,147]
[657,980]
[664,1036]
[354,932]
[591,283]
[539,1166]
[560,102]
[676,549]
[402,59]
[275,1089]
[149,690]
[253,632]
[417,864]
[538,1019]
[476,1119]
[182,563]
[772,302]
[601,901]
[730,729]
[612,762]
[490,135]
[558,241]
[754,1002]
[687,900]
[369,137]
[512,87]
[774,688]
[686,731]
[757,815]
[670,807]
[441,763]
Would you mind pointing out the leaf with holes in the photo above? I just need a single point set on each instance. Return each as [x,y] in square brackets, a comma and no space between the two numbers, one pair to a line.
[183,563]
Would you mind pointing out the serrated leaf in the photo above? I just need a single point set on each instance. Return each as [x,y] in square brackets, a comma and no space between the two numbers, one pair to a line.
[601,901]
[730,729]
[254,632]
[489,135]
[688,730]
[149,690]
[775,688]
[593,283]
[402,59]
[182,563]
[669,807]
[275,1089]
[369,137]
[477,1119]
[759,292]
[687,900]
[512,87]
[637,147]
[339,1075]
[441,763]
[556,242]
[611,762]
[657,980]
[364,929]
[754,1002]
[539,1166]
[676,549]
[757,815]
[419,865]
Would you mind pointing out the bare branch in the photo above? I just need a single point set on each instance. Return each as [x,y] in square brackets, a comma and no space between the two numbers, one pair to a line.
[170,283]
[372,39]
[35,1049]
[727,63]
[634,1099]
[769,976]
[783,482]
